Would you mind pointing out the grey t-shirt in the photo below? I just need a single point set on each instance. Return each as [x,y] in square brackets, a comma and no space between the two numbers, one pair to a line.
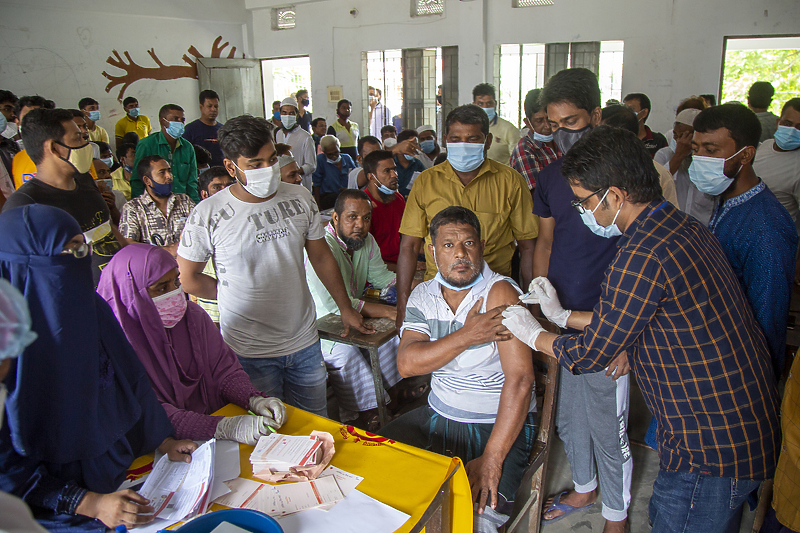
[265,307]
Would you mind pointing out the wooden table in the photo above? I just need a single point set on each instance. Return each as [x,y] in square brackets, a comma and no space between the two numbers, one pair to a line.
[330,328]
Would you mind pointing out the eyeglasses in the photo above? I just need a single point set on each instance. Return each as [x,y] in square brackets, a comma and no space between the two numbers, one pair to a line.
[578,204]
[80,251]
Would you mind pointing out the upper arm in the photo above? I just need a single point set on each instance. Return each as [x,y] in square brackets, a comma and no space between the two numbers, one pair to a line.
[415,221]
[190,269]
[317,250]
[547,226]
[515,356]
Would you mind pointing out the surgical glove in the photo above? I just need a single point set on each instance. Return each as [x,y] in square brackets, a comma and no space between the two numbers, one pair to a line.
[547,298]
[246,429]
[521,323]
[271,408]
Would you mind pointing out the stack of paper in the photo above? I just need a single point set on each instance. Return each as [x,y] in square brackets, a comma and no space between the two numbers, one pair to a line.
[282,500]
[279,453]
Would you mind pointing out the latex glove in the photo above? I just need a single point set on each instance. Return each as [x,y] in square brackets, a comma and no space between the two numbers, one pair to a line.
[245,429]
[542,292]
[519,321]
[271,408]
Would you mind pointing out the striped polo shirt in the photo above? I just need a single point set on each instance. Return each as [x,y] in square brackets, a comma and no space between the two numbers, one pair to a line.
[467,389]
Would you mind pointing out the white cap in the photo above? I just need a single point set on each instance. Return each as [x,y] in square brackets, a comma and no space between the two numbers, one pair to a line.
[289,100]
[426,127]
[284,160]
[687,116]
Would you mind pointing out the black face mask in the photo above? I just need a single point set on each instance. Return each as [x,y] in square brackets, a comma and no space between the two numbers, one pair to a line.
[565,138]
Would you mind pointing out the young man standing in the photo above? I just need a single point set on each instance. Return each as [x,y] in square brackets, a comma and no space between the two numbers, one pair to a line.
[505,135]
[387,204]
[640,104]
[318,129]
[537,149]
[304,117]
[344,129]
[91,113]
[300,140]
[133,121]
[203,131]
[426,135]
[379,114]
[256,231]
[759,98]
[168,143]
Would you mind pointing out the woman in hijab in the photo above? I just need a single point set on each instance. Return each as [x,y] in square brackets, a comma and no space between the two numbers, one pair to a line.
[79,408]
[192,370]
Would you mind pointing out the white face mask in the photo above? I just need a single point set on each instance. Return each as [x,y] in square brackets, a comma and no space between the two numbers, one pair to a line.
[261,182]
[389,142]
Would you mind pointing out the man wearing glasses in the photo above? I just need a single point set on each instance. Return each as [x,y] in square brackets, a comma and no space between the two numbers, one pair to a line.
[592,414]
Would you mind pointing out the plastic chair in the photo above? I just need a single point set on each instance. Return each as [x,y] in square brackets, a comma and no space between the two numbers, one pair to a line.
[253,521]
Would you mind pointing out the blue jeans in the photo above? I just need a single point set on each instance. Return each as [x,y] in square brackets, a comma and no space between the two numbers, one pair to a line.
[298,379]
[691,502]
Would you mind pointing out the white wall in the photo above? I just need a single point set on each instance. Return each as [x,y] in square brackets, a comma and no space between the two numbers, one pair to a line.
[58,48]
[673,48]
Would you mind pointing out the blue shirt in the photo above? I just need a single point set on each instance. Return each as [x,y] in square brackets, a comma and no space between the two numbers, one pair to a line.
[760,240]
[201,134]
[328,177]
[578,257]
[404,174]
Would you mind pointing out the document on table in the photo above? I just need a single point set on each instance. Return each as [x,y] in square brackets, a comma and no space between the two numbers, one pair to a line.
[226,466]
[355,514]
[281,500]
[178,490]
[346,481]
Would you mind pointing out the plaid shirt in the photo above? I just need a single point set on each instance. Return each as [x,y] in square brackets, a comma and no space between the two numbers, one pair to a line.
[671,297]
[530,157]
[143,221]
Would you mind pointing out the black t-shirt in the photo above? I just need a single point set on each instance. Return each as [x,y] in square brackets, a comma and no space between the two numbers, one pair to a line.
[654,141]
[85,204]
[202,134]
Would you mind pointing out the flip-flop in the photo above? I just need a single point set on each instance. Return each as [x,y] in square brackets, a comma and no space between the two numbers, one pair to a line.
[566,508]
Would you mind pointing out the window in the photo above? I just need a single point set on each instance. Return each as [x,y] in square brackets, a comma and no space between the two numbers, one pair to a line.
[751,59]
[518,68]
[531,3]
[283,18]
[283,77]
[421,8]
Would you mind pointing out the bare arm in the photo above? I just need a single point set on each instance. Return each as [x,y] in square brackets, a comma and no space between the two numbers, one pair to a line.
[194,281]
[329,274]
[527,249]
[544,244]
[406,267]
[515,398]
[371,309]
[417,355]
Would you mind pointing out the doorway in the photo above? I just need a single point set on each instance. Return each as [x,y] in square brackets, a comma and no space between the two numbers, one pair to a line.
[283,77]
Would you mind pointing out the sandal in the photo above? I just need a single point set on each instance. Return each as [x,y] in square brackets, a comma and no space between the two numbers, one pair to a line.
[566,508]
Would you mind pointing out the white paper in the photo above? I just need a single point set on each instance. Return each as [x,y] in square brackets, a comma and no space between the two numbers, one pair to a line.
[226,466]
[282,500]
[355,514]
[346,481]
[281,452]
[177,489]
[155,526]
[240,490]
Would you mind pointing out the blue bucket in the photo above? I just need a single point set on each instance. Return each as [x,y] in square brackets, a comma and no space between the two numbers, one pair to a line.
[253,521]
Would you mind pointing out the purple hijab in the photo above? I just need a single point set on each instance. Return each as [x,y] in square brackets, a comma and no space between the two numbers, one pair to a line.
[189,365]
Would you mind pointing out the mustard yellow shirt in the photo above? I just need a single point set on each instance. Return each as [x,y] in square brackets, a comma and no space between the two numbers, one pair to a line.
[126,124]
[22,169]
[786,491]
[119,183]
[98,134]
[498,195]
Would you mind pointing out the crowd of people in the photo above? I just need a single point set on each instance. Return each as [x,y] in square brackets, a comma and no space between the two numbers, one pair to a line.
[146,286]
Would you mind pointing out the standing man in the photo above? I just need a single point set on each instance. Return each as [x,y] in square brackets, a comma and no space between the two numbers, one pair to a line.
[379,114]
[91,113]
[387,204]
[755,230]
[304,118]
[429,145]
[388,136]
[318,129]
[158,216]
[168,144]
[256,231]
[345,130]
[670,299]
[366,145]
[537,149]
[495,192]
[759,97]
[203,131]
[63,159]
[408,166]
[505,135]
[23,168]
[574,257]
[132,121]
[640,104]
[332,173]
[291,133]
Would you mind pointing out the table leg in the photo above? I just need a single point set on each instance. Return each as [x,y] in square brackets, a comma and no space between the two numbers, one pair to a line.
[377,379]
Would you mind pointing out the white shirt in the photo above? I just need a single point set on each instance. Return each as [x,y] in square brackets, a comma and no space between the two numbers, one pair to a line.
[781,172]
[381,116]
[352,178]
[303,150]
[467,389]
[690,200]
[265,307]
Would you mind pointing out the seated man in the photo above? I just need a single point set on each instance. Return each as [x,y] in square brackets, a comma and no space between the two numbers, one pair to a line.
[388,132]
[482,404]
[366,145]
[387,204]
[333,167]
[158,216]
[359,261]
[126,154]
[290,170]
[408,166]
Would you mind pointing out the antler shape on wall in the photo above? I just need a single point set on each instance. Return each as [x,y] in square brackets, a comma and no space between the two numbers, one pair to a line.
[134,72]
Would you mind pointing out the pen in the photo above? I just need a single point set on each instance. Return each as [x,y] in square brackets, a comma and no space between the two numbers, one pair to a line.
[268,427]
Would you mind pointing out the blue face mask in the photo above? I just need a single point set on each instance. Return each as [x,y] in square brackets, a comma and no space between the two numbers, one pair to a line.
[161,189]
[428,146]
[490,111]
[276,115]
[443,283]
[109,161]
[383,188]
[127,168]
[94,116]
[602,231]
[787,138]
[133,112]
[673,144]
[409,157]
[708,174]
[175,129]
[542,138]
[334,161]
[465,157]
